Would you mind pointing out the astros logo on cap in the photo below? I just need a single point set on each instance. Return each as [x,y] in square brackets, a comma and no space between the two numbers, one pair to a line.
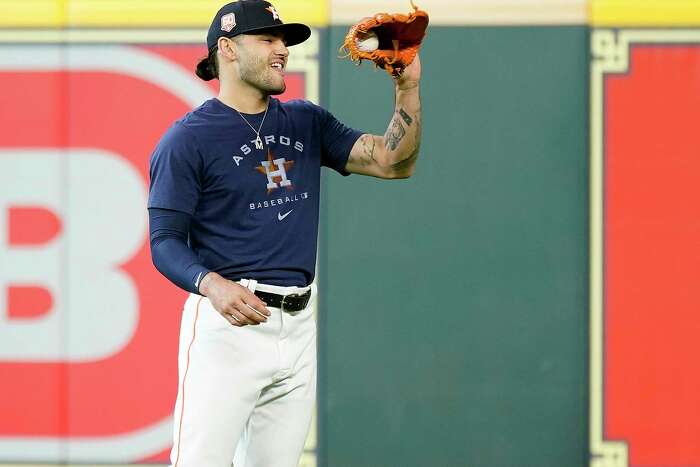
[272,10]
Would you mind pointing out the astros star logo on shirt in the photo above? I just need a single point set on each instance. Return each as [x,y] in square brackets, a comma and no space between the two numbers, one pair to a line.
[276,172]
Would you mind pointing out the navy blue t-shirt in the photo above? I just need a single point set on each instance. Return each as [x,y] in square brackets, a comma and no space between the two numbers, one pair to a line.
[254,211]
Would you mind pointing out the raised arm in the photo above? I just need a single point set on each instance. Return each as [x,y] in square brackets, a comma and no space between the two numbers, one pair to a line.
[393,155]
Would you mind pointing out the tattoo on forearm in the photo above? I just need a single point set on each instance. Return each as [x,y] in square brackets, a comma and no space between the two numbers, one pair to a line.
[406,118]
[394,134]
[411,159]
[419,129]
[405,163]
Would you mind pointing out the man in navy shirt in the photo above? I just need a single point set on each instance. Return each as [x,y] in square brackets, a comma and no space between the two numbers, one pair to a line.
[233,208]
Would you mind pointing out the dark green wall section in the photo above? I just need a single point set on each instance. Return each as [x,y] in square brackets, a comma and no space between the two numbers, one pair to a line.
[454,308]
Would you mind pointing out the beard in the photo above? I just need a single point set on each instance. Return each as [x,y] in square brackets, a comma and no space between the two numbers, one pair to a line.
[256,71]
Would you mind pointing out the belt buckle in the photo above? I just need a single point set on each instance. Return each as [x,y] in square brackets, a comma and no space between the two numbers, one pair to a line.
[307,299]
[306,296]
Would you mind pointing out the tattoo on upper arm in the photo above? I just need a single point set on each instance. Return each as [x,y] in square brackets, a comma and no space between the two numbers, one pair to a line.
[406,118]
[367,155]
[394,134]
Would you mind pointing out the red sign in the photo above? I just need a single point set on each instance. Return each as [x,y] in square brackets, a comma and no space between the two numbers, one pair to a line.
[88,327]
[652,256]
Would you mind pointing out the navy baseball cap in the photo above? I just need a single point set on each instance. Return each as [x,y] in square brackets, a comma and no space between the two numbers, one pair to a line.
[251,16]
[248,17]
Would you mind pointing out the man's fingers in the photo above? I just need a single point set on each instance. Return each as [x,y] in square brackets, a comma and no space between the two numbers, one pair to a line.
[255,301]
[250,313]
[257,305]
[233,320]
[256,311]
[239,316]
[243,308]
[250,301]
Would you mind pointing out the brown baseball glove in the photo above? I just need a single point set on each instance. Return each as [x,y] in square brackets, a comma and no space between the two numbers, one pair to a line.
[400,36]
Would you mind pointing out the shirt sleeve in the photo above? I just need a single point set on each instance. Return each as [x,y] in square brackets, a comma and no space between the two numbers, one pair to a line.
[337,140]
[175,172]
[170,252]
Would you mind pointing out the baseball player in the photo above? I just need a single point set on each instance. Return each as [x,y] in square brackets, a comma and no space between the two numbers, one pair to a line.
[233,209]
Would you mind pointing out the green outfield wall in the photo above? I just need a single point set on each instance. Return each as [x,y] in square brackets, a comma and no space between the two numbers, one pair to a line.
[455,313]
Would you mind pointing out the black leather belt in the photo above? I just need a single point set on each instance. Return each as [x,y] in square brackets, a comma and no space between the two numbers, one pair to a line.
[291,302]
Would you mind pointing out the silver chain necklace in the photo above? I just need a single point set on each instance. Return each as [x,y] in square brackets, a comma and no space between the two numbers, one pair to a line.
[258,141]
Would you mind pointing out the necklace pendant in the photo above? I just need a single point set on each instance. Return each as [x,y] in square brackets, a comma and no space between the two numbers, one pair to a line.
[258,143]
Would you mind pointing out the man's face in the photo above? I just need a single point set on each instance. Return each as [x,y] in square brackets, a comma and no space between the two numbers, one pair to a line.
[262,59]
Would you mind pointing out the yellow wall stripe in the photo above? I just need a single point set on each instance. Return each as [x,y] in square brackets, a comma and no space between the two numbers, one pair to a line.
[317,13]
[29,13]
[622,13]
[141,13]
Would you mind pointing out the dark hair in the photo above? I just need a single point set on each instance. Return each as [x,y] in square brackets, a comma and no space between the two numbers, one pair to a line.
[208,67]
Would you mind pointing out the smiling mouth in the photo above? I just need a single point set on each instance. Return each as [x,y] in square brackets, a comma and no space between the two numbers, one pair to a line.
[277,67]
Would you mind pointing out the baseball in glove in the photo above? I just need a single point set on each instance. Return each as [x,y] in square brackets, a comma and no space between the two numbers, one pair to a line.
[399,37]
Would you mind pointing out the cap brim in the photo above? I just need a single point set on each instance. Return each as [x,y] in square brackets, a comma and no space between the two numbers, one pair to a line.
[294,33]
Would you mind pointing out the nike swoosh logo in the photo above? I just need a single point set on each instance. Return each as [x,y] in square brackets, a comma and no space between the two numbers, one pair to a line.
[280,216]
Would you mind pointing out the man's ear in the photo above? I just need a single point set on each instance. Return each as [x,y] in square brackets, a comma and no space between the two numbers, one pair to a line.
[228,48]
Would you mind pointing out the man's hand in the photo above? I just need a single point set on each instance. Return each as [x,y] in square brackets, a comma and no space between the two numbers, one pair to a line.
[410,76]
[234,302]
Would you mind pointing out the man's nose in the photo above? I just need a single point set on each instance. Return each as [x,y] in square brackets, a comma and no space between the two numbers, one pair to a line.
[281,48]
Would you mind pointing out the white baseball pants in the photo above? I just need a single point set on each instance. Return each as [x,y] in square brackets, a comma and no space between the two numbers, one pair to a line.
[245,394]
